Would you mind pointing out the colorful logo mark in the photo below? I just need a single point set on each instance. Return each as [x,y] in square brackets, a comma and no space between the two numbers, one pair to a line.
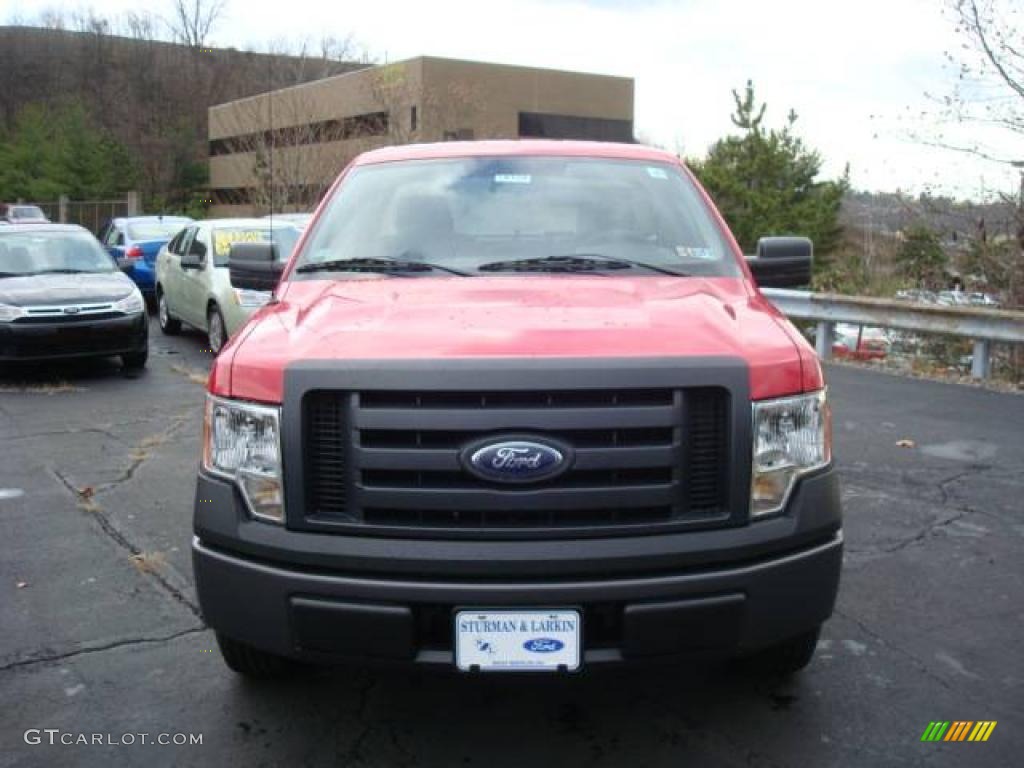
[958,730]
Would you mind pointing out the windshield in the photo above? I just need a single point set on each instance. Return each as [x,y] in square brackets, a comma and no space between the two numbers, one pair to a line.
[158,229]
[27,212]
[491,212]
[224,237]
[40,252]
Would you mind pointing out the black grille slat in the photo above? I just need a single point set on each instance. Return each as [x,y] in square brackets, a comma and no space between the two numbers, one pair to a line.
[581,438]
[391,459]
[458,480]
[484,419]
[574,398]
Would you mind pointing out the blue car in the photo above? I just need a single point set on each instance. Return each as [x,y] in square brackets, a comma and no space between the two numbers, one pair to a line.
[139,239]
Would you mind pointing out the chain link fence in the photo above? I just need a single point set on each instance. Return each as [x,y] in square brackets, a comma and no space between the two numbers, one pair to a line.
[91,214]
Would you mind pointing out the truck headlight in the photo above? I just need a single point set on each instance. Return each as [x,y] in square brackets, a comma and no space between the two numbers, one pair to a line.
[131,303]
[792,436]
[9,313]
[242,442]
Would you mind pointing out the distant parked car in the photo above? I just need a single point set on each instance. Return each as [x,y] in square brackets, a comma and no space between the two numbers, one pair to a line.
[977,299]
[139,239]
[61,295]
[860,343]
[300,220]
[918,295]
[192,281]
[16,213]
[953,298]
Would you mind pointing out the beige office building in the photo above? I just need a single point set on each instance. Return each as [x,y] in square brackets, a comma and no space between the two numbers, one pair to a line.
[301,137]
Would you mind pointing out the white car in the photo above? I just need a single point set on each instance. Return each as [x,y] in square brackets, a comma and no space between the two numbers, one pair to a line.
[193,285]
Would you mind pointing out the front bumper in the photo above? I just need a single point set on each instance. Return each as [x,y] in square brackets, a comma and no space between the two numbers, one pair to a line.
[84,337]
[324,597]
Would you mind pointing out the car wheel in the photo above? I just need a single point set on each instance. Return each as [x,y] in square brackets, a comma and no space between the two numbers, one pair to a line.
[135,361]
[786,658]
[251,662]
[168,323]
[216,332]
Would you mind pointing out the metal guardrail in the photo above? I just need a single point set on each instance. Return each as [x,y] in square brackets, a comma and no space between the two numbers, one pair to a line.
[984,326]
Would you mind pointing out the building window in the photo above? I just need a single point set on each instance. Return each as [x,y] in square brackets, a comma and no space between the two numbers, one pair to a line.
[412,118]
[544,126]
[356,126]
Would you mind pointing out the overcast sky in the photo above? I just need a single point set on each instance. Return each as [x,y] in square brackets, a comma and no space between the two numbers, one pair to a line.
[851,70]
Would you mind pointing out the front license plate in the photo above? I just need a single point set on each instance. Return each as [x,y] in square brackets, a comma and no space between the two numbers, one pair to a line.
[524,641]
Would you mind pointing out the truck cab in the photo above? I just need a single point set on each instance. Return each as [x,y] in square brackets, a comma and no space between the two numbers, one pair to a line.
[517,406]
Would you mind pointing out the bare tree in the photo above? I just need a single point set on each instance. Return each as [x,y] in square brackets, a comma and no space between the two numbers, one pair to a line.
[418,112]
[987,99]
[987,93]
[291,157]
[193,20]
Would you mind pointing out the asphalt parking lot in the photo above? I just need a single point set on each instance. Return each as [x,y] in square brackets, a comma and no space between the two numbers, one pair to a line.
[101,633]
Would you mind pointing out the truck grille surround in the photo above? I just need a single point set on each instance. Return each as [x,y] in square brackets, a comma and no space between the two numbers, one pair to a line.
[656,445]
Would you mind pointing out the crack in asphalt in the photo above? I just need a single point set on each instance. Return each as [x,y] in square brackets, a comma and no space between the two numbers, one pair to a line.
[917,538]
[355,750]
[139,457]
[902,651]
[73,431]
[134,550]
[39,659]
[962,511]
[141,453]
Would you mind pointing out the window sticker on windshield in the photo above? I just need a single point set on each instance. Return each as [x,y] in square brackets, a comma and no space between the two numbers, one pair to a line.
[512,178]
[693,252]
[223,239]
[656,173]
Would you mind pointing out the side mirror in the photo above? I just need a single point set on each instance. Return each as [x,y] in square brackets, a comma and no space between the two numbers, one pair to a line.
[254,266]
[189,261]
[125,265]
[782,262]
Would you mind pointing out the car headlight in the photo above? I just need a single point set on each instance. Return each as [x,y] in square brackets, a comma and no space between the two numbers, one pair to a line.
[131,303]
[242,442]
[8,313]
[251,299]
[792,436]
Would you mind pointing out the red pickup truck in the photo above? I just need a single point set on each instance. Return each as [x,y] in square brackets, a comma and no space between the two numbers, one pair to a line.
[517,406]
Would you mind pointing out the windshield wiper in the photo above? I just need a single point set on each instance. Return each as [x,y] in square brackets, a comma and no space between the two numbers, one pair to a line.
[574,262]
[67,271]
[377,265]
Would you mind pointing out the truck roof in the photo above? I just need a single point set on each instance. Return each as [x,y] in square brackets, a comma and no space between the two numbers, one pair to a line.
[520,147]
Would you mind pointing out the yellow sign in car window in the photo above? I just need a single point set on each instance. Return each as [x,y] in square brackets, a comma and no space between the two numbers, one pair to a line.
[223,239]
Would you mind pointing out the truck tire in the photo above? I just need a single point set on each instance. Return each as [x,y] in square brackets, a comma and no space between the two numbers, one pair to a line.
[251,662]
[786,658]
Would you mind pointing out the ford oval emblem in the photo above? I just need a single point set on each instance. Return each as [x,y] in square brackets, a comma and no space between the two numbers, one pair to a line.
[543,645]
[510,460]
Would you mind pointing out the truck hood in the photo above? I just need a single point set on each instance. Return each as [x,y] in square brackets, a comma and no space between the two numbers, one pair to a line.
[515,316]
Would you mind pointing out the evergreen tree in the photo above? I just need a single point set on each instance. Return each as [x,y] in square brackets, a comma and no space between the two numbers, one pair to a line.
[921,259]
[765,182]
[54,151]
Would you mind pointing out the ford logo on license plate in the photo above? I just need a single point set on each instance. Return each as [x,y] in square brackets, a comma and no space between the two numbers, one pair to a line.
[543,645]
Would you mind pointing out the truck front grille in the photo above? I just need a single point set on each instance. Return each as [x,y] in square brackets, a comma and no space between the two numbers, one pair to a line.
[391,459]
